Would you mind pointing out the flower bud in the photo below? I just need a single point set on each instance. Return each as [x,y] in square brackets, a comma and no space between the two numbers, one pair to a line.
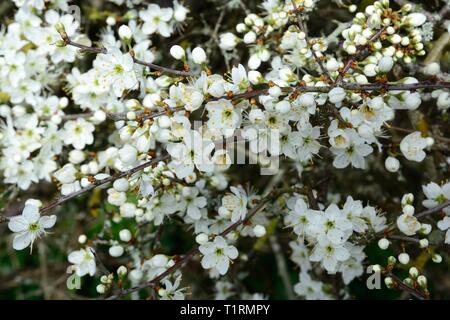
[403,258]
[116,251]
[125,235]
[259,231]
[121,185]
[422,281]
[125,32]
[437,258]
[389,282]
[255,77]
[385,64]
[82,239]
[408,209]
[283,106]
[59,27]
[101,288]
[392,164]
[423,243]
[199,55]
[392,260]
[383,243]
[413,272]
[177,52]
[122,271]
[201,238]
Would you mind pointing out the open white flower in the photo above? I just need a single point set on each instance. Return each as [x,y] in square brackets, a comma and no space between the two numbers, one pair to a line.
[408,224]
[223,115]
[218,254]
[156,19]
[236,203]
[78,133]
[412,147]
[29,225]
[83,261]
[116,69]
[329,253]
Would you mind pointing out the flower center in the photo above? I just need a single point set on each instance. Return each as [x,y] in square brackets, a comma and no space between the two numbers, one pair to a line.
[33,227]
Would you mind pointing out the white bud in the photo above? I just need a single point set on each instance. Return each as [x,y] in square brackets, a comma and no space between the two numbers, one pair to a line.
[388,282]
[177,52]
[283,106]
[385,64]
[164,122]
[254,62]
[110,21]
[332,65]
[201,238]
[423,243]
[199,55]
[416,19]
[370,70]
[250,37]
[128,154]
[259,230]
[437,258]
[413,272]
[255,77]
[101,288]
[82,239]
[408,210]
[351,49]
[407,199]
[241,27]
[336,95]
[136,275]
[392,164]
[125,235]
[376,268]
[422,281]
[432,69]
[116,251]
[121,185]
[383,243]
[403,258]
[425,228]
[125,32]
[76,156]
[274,91]
[122,271]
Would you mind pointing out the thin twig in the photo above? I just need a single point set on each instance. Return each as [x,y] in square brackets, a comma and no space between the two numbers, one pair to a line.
[67,41]
[433,210]
[399,283]
[99,183]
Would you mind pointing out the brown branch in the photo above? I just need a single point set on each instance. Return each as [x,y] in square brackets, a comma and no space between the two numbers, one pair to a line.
[59,201]
[254,93]
[433,210]
[404,238]
[84,48]
[399,283]
[443,139]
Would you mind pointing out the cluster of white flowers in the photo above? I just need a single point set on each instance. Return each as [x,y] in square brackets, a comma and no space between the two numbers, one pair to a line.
[282,110]
[331,236]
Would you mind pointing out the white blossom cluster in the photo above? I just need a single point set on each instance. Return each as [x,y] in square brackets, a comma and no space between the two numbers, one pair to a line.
[77,124]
